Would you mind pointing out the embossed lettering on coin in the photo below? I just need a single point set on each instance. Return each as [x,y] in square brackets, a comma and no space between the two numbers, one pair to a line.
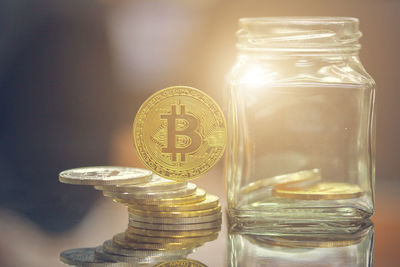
[182,263]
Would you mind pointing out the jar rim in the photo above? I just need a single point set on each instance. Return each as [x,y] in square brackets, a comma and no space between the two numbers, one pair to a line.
[299,34]
[305,20]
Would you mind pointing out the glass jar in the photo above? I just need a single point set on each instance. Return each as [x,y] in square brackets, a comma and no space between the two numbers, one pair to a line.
[300,123]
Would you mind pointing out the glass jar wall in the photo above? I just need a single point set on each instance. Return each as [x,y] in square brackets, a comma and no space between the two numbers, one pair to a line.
[301,123]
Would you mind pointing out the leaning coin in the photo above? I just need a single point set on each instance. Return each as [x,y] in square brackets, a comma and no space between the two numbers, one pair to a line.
[85,257]
[188,190]
[181,263]
[122,241]
[156,184]
[175,214]
[175,220]
[175,227]
[104,175]
[173,233]
[101,254]
[180,133]
[198,196]
[210,202]
[321,191]
[162,240]
[110,247]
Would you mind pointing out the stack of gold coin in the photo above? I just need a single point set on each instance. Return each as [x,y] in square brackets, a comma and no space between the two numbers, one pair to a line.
[165,215]
[167,219]
[179,133]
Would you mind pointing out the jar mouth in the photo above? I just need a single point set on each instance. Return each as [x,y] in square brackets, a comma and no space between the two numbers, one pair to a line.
[307,34]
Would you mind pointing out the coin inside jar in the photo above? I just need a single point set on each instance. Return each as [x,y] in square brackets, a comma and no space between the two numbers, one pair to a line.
[319,191]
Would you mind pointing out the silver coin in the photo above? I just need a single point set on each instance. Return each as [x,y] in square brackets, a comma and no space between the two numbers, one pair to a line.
[104,175]
[176,220]
[85,257]
[110,247]
[188,190]
[175,227]
[101,254]
[157,183]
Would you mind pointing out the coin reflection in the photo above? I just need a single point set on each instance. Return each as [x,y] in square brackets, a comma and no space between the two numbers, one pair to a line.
[354,248]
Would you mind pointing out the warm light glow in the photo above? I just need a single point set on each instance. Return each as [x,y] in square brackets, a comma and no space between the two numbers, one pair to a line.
[257,76]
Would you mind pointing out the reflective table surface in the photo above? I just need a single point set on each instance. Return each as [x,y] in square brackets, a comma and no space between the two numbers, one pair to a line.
[372,243]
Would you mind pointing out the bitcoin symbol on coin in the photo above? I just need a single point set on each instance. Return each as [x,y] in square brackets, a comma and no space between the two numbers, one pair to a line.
[190,131]
[179,133]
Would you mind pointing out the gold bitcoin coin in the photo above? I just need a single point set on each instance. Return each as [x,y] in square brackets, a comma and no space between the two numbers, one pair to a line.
[181,263]
[180,133]
[319,191]
[173,233]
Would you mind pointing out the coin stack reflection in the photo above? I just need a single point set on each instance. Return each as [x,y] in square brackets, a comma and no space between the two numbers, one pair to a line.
[167,219]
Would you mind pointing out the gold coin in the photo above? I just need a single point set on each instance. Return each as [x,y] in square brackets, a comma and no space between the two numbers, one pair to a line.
[110,247]
[210,202]
[101,254]
[175,227]
[181,263]
[122,241]
[180,133]
[175,220]
[156,184]
[285,179]
[319,191]
[176,214]
[190,189]
[163,240]
[198,196]
[174,234]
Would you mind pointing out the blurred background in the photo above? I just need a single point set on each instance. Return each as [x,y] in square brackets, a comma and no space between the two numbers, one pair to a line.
[73,74]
